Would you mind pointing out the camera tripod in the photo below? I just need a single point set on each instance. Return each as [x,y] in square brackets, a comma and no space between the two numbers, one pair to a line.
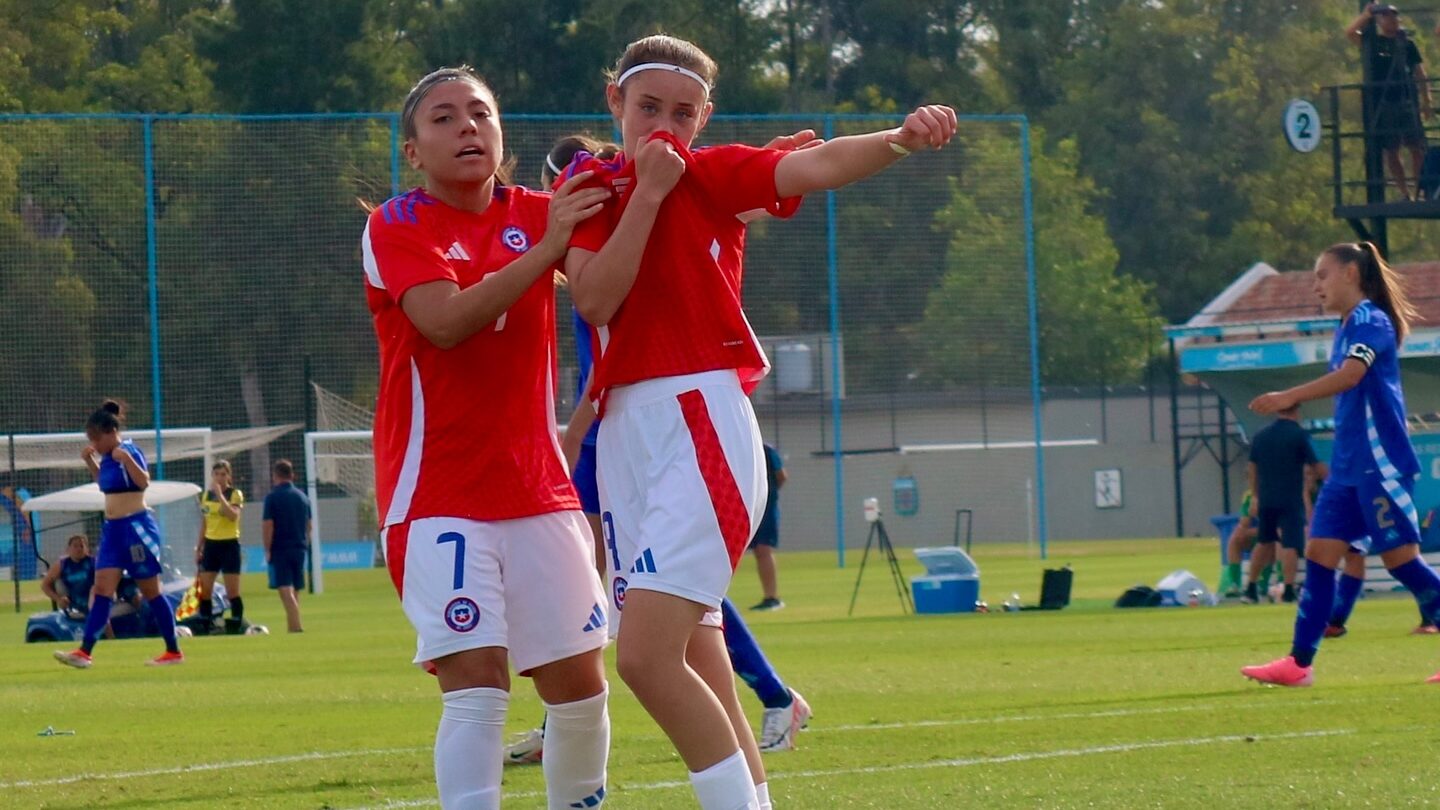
[878,536]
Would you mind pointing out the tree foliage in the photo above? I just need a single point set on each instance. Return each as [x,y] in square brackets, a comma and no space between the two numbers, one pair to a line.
[1161,175]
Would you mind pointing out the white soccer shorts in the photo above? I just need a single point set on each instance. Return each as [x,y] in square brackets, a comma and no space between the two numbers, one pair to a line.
[528,585]
[682,486]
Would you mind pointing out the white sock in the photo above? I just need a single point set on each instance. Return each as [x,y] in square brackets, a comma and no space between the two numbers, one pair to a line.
[470,747]
[762,794]
[726,785]
[577,746]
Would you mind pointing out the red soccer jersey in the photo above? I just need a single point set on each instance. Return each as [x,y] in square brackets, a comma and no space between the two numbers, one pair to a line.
[683,315]
[468,431]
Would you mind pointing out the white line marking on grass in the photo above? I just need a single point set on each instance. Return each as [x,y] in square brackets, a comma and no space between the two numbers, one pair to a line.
[1120,748]
[1026,718]
[318,755]
[212,766]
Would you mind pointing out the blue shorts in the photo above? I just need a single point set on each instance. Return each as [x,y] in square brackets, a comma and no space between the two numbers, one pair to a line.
[1374,517]
[130,543]
[584,478]
[287,569]
[768,532]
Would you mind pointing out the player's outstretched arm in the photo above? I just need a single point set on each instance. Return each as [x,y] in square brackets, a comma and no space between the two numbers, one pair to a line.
[844,160]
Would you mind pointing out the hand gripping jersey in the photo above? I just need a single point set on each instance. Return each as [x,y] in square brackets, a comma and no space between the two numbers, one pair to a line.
[683,314]
[1371,437]
[113,475]
[469,431]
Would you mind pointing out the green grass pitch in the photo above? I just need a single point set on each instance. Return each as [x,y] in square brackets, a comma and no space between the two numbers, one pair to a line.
[1086,707]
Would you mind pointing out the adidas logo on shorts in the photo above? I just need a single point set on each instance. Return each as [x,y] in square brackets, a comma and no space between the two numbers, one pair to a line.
[644,564]
[597,619]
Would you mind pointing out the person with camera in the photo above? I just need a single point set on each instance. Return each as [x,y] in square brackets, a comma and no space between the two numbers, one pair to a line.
[1397,89]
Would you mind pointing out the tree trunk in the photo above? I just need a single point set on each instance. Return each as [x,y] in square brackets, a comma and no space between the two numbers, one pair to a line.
[254,400]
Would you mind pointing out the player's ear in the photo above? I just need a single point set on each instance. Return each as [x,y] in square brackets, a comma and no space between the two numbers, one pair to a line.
[411,155]
[615,100]
[705,116]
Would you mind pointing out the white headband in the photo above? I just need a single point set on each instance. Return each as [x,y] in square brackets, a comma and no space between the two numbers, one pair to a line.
[663,66]
[550,164]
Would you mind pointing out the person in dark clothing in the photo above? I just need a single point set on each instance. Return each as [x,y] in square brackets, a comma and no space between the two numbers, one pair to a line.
[767,534]
[1399,91]
[287,539]
[70,578]
[1282,460]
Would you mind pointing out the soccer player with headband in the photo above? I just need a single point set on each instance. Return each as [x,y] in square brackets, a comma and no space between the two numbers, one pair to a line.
[484,537]
[1367,503]
[680,464]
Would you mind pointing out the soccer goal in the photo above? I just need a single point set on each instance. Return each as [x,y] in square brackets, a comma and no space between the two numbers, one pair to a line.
[344,459]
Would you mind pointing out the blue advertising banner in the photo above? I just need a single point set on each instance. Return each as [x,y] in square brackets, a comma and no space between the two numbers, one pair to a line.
[336,556]
[1296,351]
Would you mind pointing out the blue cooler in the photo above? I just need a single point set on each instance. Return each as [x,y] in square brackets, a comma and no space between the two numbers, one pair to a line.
[951,583]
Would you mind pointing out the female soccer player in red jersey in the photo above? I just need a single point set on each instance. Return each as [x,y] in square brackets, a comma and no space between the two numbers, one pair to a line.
[484,536]
[682,476]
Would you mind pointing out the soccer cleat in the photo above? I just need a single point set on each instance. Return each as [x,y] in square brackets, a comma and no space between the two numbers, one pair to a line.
[1425,630]
[1433,678]
[75,658]
[780,726]
[1251,595]
[768,603]
[527,749]
[166,659]
[1280,672]
[1335,631]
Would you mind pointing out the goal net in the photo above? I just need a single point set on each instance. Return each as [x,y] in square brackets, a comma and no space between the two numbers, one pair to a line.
[339,456]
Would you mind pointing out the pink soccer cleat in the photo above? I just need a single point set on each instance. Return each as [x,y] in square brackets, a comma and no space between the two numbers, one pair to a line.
[780,726]
[1280,672]
[166,659]
[1433,678]
[75,658]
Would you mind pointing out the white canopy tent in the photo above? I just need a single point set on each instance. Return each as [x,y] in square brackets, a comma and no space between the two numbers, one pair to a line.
[89,498]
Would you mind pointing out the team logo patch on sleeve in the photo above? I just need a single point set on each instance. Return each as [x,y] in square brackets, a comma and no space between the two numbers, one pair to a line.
[462,614]
[1363,353]
[515,239]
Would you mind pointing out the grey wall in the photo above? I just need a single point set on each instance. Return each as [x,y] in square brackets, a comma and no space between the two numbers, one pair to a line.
[1133,436]
[992,482]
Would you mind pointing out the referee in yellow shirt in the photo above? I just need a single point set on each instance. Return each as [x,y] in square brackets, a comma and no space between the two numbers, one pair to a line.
[218,551]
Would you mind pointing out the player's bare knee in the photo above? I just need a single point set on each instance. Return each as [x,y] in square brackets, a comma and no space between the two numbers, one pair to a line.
[486,667]
[1396,557]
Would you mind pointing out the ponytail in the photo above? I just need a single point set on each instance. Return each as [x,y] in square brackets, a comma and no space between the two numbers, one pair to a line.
[108,418]
[1380,283]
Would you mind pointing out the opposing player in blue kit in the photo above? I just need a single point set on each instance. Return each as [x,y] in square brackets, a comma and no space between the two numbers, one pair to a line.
[129,538]
[1367,502]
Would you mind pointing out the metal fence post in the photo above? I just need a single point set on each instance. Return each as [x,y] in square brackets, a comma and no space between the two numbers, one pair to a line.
[152,279]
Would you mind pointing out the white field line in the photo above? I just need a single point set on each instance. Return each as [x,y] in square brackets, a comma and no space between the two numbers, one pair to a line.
[1028,718]
[212,766]
[324,755]
[969,762]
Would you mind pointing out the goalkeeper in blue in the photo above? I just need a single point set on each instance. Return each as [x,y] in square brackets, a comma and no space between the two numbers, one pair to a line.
[1366,503]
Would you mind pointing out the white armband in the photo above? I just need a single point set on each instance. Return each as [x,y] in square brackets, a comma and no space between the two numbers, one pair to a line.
[1363,353]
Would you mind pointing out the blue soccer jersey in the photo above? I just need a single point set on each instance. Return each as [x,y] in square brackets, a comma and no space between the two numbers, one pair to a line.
[585,359]
[113,477]
[1371,438]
